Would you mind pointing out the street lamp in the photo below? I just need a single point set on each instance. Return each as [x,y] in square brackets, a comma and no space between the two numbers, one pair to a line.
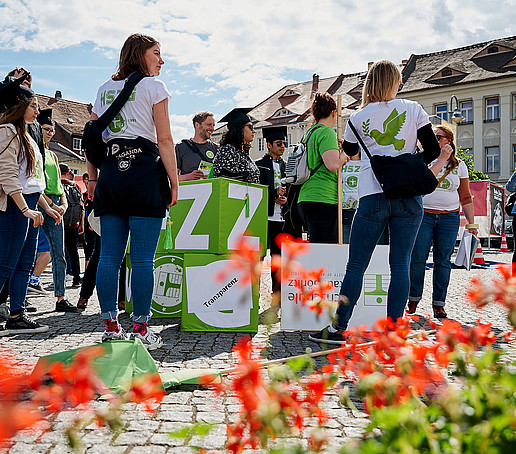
[455,114]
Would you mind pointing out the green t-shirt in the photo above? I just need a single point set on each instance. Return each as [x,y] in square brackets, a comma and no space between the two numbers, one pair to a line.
[322,185]
[52,175]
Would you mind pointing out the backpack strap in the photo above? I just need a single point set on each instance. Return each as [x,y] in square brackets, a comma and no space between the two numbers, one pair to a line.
[305,143]
[109,115]
[193,146]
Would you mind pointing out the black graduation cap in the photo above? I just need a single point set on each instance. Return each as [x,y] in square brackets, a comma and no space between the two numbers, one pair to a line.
[45,117]
[238,115]
[272,133]
[11,89]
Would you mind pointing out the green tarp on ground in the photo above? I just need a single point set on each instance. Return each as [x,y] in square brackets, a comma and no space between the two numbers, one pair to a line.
[121,361]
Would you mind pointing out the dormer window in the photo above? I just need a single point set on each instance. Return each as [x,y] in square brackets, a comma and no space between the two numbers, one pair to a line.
[283,113]
[446,72]
[493,50]
[290,93]
[70,120]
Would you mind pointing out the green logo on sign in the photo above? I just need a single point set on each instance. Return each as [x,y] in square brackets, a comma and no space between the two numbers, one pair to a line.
[375,292]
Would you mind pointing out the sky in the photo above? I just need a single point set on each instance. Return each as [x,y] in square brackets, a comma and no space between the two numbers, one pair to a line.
[221,54]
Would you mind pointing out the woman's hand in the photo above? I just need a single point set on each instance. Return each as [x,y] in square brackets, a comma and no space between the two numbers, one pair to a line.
[59,209]
[35,215]
[473,232]
[54,213]
[173,193]
[446,151]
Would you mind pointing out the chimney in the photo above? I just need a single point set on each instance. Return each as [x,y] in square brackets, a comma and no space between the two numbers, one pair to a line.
[315,85]
[58,96]
[404,62]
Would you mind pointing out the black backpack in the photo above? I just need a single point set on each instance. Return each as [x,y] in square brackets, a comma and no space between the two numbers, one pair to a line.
[73,214]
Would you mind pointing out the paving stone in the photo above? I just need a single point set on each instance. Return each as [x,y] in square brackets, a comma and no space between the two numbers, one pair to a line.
[182,416]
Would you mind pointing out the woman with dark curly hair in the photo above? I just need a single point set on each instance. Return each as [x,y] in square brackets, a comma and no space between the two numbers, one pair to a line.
[233,160]
[318,197]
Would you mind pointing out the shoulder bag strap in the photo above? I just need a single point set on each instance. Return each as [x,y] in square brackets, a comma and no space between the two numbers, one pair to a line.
[362,144]
[109,115]
[193,146]
[10,141]
[444,175]
[305,143]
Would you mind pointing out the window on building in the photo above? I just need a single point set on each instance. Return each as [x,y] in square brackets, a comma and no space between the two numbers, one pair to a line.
[261,145]
[77,144]
[492,109]
[514,156]
[492,159]
[513,106]
[289,140]
[492,50]
[466,108]
[283,113]
[446,72]
[441,110]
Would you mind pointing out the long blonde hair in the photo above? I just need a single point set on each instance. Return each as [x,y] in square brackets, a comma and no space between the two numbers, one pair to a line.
[382,76]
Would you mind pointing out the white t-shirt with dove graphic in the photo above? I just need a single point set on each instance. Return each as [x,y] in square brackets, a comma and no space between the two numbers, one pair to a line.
[388,128]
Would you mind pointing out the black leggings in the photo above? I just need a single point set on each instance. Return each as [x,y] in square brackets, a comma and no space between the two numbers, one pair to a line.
[321,221]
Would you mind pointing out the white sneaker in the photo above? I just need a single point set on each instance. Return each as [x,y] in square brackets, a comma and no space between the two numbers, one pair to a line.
[151,340]
[114,335]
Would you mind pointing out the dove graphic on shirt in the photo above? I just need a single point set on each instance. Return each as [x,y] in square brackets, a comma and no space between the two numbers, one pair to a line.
[391,127]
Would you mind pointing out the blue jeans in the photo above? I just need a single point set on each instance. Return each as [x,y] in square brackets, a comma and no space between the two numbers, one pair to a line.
[18,240]
[55,236]
[113,242]
[441,230]
[403,216]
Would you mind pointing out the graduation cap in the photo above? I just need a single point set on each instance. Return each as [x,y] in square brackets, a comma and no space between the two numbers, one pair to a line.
[45,117]
[272,133]
[11,90]
[238,115]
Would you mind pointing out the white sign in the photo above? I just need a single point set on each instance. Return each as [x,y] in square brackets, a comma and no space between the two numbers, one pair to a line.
[371,305]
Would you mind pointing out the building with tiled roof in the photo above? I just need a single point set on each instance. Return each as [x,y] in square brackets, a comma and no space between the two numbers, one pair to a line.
[481,78]
[69,118]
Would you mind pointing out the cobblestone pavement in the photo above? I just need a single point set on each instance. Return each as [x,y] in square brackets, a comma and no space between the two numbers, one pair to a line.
[148,433]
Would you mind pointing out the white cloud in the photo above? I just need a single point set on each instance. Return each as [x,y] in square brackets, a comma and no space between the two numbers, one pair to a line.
[251,47]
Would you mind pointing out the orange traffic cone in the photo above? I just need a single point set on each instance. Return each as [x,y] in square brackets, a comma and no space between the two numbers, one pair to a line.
[503,245]
[479,257]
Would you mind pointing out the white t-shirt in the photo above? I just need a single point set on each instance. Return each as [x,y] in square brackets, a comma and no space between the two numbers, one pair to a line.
[136,117]
[446,195]
[277,183]
[36,182]
[387,129]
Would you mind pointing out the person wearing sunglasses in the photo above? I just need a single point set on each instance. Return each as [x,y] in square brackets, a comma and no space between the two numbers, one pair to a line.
[272,170]
[440,225]
[233,160]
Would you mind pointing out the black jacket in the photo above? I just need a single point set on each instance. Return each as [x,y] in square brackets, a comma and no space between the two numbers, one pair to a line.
[267,178]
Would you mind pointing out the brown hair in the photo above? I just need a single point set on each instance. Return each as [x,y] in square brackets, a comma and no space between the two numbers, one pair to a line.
[199,117]
[16,116]
[322,106]
[382,76]
[132,55]
[448,133]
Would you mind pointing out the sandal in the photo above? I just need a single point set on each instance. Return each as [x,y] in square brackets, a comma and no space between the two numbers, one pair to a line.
[82,303]
[412,305]
[439,312]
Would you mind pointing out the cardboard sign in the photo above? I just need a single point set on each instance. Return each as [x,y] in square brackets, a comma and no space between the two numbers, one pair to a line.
[210,304]
[168,285]
[371,305]
[212,215]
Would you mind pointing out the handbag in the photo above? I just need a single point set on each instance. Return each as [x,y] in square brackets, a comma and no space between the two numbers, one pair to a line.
[401,176]
[94,146]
